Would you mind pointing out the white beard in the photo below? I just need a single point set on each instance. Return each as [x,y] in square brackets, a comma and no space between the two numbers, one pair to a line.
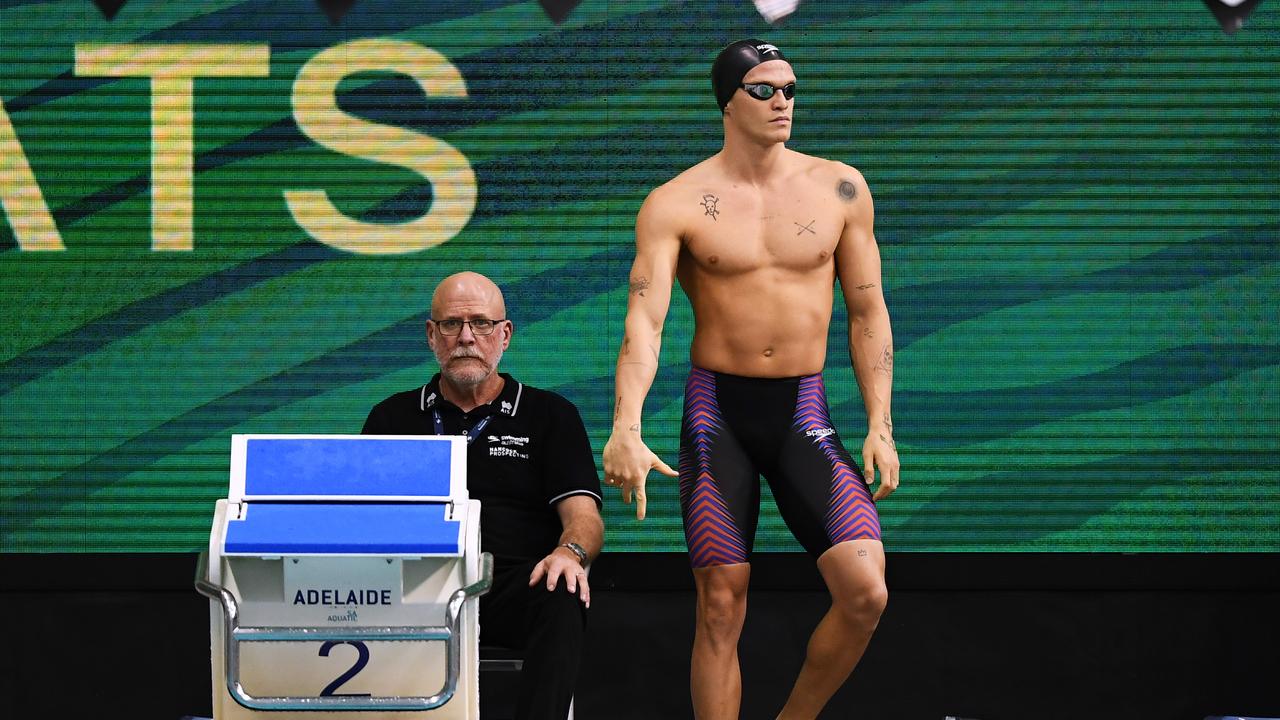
[471,374]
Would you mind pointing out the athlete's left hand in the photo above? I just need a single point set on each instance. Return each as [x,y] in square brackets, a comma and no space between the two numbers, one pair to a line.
[879,453]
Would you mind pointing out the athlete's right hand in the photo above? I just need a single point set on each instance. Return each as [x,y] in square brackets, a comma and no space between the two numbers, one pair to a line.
[627,462]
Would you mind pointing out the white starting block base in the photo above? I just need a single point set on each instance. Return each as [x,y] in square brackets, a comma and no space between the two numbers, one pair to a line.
[339,607]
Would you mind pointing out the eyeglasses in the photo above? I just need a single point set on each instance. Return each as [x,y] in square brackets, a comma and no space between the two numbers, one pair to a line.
[479,326]
[764,91]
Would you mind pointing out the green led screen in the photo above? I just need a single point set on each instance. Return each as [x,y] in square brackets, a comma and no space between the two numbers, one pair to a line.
[227,217]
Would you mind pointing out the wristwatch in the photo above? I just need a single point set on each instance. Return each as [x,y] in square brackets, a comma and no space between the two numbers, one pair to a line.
[576,549]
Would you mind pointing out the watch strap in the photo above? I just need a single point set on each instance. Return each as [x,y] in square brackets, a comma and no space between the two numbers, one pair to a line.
[576,549]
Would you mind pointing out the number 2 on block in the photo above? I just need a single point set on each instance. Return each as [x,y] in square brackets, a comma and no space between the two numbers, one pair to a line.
[363,659]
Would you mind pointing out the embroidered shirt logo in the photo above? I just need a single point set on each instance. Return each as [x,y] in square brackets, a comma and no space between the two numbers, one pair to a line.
[509,440]
[506,407]
[508,446]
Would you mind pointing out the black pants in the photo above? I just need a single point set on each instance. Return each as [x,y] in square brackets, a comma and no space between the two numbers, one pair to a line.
[548,626]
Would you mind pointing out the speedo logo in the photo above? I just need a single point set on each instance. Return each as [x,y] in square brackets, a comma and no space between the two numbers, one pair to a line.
[766,48]
[821,432]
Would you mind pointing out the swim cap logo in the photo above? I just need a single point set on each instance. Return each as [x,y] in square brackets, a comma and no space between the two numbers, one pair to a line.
[766,48]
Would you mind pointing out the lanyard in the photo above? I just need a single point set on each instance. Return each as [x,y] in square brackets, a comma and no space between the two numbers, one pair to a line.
[472,434]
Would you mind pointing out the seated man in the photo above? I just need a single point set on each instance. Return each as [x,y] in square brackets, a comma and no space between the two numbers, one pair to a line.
[530,464]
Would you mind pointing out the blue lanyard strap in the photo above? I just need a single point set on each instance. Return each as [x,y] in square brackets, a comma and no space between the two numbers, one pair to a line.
[472,434]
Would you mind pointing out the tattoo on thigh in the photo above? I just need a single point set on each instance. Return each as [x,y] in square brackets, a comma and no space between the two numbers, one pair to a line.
[867,286]
[862,553]
[846,190]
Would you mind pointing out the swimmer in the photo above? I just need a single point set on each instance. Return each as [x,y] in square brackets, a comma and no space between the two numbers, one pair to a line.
[757,236]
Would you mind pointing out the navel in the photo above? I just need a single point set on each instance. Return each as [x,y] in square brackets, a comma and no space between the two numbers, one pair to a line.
[768,352]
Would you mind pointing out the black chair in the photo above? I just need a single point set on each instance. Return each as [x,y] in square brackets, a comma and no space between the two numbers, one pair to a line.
[500,681]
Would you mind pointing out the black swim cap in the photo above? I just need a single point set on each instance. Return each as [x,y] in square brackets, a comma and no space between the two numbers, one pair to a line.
[735,61]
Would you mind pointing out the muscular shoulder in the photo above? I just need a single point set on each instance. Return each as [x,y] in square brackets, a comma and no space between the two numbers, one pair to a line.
[846,187]
[843,182]
[671,204]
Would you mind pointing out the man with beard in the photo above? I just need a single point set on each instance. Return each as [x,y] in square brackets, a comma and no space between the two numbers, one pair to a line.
[529,463]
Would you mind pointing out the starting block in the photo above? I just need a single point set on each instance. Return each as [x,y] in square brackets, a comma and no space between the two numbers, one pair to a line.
[342,573]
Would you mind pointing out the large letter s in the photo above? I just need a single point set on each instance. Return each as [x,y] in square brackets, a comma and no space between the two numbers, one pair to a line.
[316,110]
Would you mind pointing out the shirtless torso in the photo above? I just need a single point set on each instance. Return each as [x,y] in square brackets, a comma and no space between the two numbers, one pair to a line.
[758,264]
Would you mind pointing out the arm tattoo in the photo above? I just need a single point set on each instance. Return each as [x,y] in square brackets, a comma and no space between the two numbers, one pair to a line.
[639,285]
[846,191]
[888,441]
[888,423]
[885,363]
[635,428]
[709,205]
[867,332]
[617,409]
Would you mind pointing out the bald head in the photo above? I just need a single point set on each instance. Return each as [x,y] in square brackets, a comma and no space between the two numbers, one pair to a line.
[469,291]
[468,358]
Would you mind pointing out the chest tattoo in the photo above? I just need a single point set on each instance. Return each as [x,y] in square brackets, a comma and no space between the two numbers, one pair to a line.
[709,205]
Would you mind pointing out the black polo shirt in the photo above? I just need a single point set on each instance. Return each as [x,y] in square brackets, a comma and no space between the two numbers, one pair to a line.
[531,454]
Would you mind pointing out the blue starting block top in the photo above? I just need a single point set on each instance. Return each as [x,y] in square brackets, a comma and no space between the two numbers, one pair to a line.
[344,529]
[355,467]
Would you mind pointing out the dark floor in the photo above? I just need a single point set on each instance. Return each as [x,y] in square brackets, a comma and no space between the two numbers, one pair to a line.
[1179,650]
[1002,655]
